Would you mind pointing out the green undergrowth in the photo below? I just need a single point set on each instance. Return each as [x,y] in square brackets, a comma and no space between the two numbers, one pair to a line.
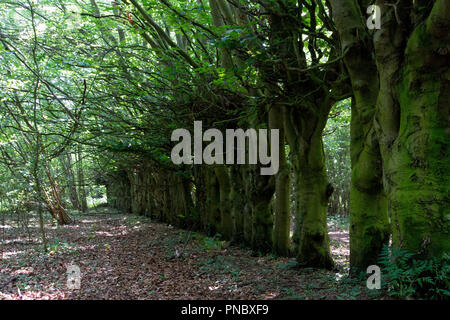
[406,277]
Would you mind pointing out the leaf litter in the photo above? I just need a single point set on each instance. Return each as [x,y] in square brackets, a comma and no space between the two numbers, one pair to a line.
[130,257]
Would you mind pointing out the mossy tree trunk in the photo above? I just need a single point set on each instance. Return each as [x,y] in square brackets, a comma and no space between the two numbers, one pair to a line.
[247,211]
[66,162]
[118,191]
[201,195]
[295,208]
[81,181]
[415,83]
[281,233]
[304,129]
[238,203]
[411,51]
[369,222]
[306,94]
[212,201]
[261,193]
[226,221]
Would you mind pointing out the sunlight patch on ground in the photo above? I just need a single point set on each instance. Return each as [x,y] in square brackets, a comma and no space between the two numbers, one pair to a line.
[105,233]
[340,235]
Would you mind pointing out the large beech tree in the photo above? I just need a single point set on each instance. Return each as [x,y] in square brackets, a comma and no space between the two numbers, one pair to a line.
[400,80]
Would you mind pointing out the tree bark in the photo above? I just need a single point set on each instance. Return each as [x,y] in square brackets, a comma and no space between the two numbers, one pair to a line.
[415,145]
[81,181]
[226,221]
[66,161]
[238,203]
[261,193]
[313,189]
[212,202]
[369,224]
[281,233]
[411,119]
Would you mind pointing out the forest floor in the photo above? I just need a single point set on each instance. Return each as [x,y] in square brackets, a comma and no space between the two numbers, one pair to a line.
[130,257]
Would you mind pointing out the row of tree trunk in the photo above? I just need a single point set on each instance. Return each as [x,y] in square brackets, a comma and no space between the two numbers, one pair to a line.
[398,80]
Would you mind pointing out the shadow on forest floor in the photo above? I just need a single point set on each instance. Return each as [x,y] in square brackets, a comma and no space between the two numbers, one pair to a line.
[130,257]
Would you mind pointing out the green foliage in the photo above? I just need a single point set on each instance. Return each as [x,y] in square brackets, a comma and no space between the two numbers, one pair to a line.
[212,243]
[339,222]
[406,277]
[351,294]
[61,246]
[337,152]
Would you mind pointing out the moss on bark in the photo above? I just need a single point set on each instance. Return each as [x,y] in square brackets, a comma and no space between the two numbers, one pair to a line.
[282,218]
[417,165]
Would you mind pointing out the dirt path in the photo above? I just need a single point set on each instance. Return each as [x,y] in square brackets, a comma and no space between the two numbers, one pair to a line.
[128,257]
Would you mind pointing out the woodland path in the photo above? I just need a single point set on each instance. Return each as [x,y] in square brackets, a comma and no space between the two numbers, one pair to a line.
[130,257]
